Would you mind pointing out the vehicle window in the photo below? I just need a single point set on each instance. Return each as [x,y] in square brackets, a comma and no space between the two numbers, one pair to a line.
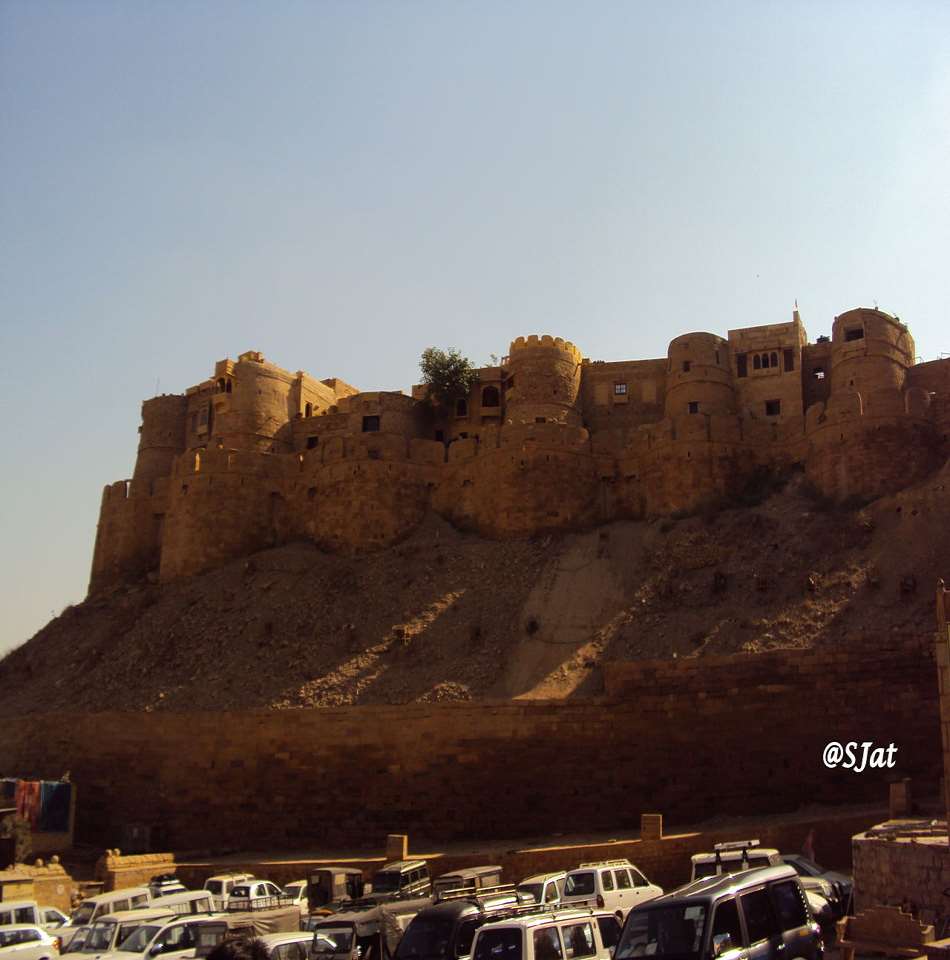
[623,879]
[550,892]
[6,918]
[176,938]
[332,940]
[240,892]
[100,938]
[639,880]
[578,940]
[535,890]
[466,934]
[139,900]
[789,905]
[663,931]
[213,887]
[606,880]
[78,939]
[51,916]
[609,930]
[426,937]
[759,919]
[386,881]
[758,861]
[726,920]
[547,944]
[23,915]
[415,876]
[424,873]
[139,939]
[705,868]
[579,885]
[560,885]
[503,944]
[117,906]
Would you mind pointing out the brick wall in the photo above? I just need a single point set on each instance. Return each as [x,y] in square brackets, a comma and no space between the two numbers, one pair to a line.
[693,738]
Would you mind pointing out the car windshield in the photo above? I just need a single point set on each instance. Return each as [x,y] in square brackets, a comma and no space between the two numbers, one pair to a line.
[425,937]
[332,940]
[138,940]
[83,913]
[532,889]
[386,881]
[579,885]
[77,940]
[293,889]
[503,944]
[670,932]
[100,937]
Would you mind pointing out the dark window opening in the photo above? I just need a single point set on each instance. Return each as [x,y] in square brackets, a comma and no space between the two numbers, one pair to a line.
[227,387]
[773,360]
[194,422]
[693,406]
[620,389]
[856,334]
[491,397]
[308,410]
[773,408]
[440,436]
[312,442]
[756,362]
[686,365]
[789,360]
[742,365]
[311,493]
[461,408]
[463,436]
[717,358]
[221,385]
[818,373]
[540,419]
[370,424]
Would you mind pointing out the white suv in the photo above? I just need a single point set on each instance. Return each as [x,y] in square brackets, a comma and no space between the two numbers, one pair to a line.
[27,942]
[615,885]
[556,935]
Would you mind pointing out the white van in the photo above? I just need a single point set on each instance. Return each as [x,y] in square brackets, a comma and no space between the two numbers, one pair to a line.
[110,930]
[21,941]
[116,901]
[564,935]
[187,902]
[615,885]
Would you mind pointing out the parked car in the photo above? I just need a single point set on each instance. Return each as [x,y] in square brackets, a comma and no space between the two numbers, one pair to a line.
[221,885]
[110,930]
[92,908]
[170,939]
[27,941]
[761,912]
[738,855]
[334,885]
[469,879]
[256,895]
[164,884]
[287,946]
[615,885]
[445,930]
[29,913]
[371,931]
[836,887]
[296,893]
[547,888]
[559,935]
[401,878]
[53,919]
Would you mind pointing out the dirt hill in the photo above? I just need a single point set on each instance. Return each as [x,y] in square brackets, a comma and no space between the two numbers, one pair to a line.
[446,615]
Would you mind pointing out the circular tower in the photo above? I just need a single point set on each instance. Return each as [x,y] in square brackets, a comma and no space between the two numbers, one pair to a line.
[870,349]
[544,379]
[699,379]
[258,406]
[161,436]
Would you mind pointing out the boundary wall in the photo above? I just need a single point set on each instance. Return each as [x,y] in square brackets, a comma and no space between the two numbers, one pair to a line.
[695,738]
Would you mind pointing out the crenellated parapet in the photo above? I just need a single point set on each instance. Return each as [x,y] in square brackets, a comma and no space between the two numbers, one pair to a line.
[544,379]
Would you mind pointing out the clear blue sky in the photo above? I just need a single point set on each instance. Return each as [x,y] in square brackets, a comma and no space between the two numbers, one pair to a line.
[342,184]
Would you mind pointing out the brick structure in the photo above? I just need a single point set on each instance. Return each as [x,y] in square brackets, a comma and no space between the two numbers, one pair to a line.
[547,440]
[726,736]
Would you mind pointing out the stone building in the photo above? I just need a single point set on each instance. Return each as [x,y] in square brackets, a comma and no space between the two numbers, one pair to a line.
[547,440]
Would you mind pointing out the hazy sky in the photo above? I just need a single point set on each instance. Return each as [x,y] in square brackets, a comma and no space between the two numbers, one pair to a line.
[342,184]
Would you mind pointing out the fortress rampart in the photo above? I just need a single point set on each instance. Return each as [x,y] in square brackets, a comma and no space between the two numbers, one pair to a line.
[547,440]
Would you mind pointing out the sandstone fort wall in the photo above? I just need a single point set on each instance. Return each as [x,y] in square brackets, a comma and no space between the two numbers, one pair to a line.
[687,737]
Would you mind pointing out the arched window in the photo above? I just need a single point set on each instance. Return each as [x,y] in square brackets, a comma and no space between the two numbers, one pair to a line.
[221,385]
[490,397]
[227,386]
[756,362]
[308,410]
[773,360]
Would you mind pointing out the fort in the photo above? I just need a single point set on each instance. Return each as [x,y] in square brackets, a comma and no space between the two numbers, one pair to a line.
[547,440]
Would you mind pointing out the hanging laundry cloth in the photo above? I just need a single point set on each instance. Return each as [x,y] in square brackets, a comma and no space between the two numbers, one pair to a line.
[28,801]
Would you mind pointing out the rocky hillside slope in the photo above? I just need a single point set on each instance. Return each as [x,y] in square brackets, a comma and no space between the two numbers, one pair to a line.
[446,615]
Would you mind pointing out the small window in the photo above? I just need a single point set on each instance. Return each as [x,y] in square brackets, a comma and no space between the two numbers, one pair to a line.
[789,905]
[773,360]
[726,920]
[461,408]
[773,408]
[607,880]
[547,944]
[686,365]
[789,360]
[540,419]
[227,388]
[370,424]
[856,333]
[623,879]
[578,940]
[440,436]
[23,915]
[639,880]
[756,362]
[717,358]
[579,884]
[490,397]
[818,373]
[194,422]
[503,944]
[308,410]
[609,931]
[620,389]
[760,921]
[312,442]
[693,406]
[742,365]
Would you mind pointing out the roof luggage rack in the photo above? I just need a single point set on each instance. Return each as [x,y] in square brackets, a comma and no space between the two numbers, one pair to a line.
[475,893]
[736,845]
[608,863]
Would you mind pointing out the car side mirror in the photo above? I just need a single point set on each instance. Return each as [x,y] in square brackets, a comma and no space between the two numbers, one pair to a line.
[722,943]
[155,949]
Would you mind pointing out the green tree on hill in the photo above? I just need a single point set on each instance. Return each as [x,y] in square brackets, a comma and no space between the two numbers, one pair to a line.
[448,375]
